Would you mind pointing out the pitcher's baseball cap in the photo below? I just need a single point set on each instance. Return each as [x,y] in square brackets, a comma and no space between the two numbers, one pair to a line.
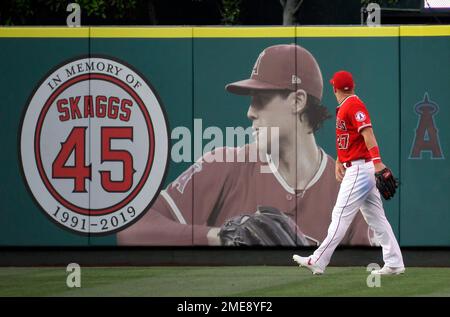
[342,80]
[282,67]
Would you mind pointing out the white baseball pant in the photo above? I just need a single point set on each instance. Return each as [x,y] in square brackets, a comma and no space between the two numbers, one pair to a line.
[358,191]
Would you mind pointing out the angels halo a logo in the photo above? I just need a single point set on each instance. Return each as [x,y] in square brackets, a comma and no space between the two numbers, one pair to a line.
[94,145]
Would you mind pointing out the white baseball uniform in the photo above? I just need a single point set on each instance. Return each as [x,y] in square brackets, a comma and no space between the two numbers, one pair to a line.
[358,190]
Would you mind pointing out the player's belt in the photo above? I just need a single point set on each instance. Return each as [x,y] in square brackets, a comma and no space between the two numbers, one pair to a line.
[356,162]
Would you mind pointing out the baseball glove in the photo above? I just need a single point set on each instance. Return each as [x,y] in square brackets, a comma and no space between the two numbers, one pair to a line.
[386,183]
[267,226]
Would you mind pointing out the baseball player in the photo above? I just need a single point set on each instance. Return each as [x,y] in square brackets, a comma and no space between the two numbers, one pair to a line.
[358,160]
[286,89]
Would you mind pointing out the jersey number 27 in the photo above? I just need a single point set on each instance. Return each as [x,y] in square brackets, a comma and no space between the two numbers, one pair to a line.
[342,141]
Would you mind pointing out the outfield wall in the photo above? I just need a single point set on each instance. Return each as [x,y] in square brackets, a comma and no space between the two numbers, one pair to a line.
[402,74]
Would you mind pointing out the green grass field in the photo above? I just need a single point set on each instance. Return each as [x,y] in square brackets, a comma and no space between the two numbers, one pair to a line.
[221,281]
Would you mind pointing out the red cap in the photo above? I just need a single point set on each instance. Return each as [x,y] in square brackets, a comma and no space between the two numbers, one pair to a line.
[342,80]
[282,67]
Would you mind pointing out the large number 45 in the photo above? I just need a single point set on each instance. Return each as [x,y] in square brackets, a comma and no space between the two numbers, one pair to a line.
[79,172]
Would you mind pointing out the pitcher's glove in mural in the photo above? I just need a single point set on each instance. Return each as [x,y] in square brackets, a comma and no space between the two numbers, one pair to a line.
[267,227]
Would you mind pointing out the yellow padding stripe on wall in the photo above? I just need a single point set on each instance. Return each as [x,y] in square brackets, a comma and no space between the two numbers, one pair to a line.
[432,30]
[222,32]
[243,32]
[44,32]
[348,31]
[141,32]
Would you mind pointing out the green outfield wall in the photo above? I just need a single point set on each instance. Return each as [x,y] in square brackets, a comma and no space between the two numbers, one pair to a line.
[402,74]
